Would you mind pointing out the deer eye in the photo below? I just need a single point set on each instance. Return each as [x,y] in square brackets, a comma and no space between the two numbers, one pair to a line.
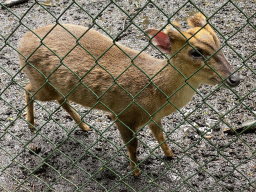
[196,54]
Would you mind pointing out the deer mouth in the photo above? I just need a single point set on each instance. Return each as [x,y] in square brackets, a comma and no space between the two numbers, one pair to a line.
[216,81]
[232,81]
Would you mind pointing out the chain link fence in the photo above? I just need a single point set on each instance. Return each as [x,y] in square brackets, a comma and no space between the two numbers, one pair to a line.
[212,137]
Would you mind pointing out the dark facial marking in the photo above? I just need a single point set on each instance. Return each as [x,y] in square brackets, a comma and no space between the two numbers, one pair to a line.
[223,63]
[202,41]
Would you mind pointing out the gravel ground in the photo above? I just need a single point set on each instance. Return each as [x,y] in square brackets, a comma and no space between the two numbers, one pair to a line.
[61,157]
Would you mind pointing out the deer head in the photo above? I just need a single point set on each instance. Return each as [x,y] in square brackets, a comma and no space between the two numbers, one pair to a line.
[196,52]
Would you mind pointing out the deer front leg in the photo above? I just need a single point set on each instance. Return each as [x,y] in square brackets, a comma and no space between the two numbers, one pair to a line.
[158,133]
[74,115]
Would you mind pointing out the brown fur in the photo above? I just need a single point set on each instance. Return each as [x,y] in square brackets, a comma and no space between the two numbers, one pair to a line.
[102,79]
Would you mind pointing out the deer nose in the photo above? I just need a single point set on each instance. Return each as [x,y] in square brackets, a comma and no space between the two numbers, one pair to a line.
[233,80]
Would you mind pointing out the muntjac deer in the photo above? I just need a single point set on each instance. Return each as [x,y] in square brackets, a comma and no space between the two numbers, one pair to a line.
[71,63]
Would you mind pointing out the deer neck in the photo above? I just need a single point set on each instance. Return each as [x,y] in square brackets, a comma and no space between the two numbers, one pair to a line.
[176,88]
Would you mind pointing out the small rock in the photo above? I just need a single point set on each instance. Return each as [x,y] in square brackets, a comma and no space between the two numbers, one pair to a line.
[208,136]
[98,148]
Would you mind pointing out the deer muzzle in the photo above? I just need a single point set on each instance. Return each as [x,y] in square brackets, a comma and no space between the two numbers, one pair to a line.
[226,69]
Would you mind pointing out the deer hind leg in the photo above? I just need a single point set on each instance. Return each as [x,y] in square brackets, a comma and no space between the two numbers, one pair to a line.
[45,93]
[132,144]
[29,107]
[158,133]
[73,114]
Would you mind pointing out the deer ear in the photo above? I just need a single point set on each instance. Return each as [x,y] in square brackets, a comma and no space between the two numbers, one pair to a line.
[160,39]
[198,20]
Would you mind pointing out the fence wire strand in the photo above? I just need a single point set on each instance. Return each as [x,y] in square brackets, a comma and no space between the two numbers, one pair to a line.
[107,164]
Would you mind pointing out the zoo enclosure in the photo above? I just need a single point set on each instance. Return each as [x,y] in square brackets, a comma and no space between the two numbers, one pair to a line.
[128,21]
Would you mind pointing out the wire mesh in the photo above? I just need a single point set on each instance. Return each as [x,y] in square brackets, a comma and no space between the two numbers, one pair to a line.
[58,156]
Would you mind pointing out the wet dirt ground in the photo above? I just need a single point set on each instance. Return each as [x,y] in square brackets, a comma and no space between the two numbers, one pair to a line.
[59,156]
